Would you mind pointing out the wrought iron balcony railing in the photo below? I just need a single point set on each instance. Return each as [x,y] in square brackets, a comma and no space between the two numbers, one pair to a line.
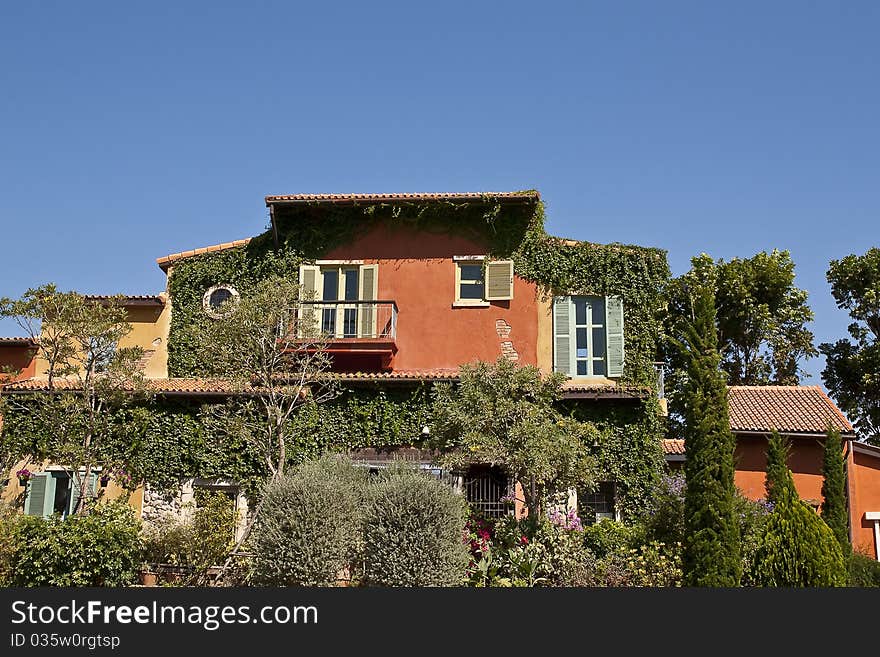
[348,320]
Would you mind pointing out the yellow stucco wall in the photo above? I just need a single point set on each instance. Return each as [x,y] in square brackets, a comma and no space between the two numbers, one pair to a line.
[149,331]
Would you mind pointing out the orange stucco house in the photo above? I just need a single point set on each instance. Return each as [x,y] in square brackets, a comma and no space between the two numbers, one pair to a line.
[803,413]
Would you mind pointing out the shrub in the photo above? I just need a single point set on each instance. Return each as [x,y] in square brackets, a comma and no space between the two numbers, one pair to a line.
[864,571]
[651,564]
[198,542]
[609,537]
[102,548]
[796,548]
[413,531]
[308,531]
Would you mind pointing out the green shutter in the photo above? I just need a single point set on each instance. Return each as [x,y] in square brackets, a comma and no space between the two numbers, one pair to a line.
[91,490]
[562,335]
[37,494]
[309,276]
[369,276]
[499,280]
[614,335]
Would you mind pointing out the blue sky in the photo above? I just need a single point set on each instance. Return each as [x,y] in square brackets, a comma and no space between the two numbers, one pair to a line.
[130,132]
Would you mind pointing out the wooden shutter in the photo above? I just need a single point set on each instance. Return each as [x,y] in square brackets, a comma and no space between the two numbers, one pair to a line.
[562,335]
[614,335]
[309,278]
[499,280]
[369,291]
[38,494]
[75,484]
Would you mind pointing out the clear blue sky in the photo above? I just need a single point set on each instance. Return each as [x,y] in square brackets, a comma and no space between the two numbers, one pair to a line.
[132,132]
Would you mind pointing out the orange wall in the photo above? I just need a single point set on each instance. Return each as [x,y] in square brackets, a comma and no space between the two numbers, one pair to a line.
[864,491]
[805,463]
[19,358]
[417,271]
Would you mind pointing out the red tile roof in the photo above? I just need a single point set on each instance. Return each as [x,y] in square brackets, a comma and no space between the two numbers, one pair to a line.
[530,197]
[574,389]
[159,386]
[129,299]
[673,446]
[16,342]
[788,409]
[166,261]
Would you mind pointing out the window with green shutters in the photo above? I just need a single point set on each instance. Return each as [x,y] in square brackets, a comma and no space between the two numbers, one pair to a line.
[53,492]
[588,336]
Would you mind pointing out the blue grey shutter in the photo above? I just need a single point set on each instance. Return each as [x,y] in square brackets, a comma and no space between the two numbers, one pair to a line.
[562,335]
[38,494]
[75,484]
[614,336]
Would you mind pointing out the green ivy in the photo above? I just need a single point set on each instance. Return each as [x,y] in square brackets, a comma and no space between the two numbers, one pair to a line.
[628,451]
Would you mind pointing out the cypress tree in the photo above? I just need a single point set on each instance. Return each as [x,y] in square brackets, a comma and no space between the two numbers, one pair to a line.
[711,555]
[778,450]
[833,491]
[796,547]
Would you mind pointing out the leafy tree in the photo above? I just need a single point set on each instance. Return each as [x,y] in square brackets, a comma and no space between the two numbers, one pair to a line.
[833,491]
[504,415]
[761,320]
[711,542]
[796,547]
[267,349]
[852,364]
[88,375]
[267,346]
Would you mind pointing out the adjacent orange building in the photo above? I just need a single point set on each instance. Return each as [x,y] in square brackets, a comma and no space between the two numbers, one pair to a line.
[804,414]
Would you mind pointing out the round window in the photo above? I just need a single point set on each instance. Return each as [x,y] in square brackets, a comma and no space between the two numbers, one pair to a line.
[220,300]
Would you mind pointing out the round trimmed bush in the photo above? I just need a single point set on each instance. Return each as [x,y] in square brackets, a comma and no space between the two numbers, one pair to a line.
[308,530]
[414,531]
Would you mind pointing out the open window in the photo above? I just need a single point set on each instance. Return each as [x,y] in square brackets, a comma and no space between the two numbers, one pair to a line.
[56,492]
[479,281]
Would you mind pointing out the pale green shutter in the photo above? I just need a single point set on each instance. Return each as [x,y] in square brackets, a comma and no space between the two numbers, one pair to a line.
[614,335]
[75,484]
[562,335]
[368,292]
[38,494]
[309,277]
[499,280]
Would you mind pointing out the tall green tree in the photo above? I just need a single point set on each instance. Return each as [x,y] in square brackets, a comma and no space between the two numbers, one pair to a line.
[796,547]
[504,415]
[761,321]
[778,452]
[834,491]
[852,365]
[712,542]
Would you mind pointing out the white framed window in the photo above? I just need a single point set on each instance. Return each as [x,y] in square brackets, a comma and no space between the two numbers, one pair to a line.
[479,281]
[588,336]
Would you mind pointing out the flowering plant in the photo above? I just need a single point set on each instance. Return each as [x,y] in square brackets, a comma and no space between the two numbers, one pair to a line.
[24,474]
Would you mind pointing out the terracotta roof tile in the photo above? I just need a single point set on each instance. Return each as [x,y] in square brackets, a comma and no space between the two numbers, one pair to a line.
[411,196]
[129,299]
[793,409]
[159,386]
[673,446]
[166,261]
[16,342]
[575,389]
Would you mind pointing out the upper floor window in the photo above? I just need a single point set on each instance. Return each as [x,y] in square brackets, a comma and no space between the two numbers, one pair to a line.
[588,336]
[339,299]
[477,282]
[218,300]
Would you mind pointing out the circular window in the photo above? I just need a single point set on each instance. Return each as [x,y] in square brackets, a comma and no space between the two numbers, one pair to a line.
[220,300]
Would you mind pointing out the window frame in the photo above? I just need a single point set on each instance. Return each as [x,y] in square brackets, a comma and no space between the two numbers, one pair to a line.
[459,262]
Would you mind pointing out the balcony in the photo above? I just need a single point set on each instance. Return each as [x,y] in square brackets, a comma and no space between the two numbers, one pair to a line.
[361,335]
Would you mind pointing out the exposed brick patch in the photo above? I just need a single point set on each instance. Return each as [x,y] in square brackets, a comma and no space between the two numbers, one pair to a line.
[508,351]
[503,329]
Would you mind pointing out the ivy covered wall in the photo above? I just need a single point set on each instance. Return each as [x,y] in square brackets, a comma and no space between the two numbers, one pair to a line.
[515,230]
